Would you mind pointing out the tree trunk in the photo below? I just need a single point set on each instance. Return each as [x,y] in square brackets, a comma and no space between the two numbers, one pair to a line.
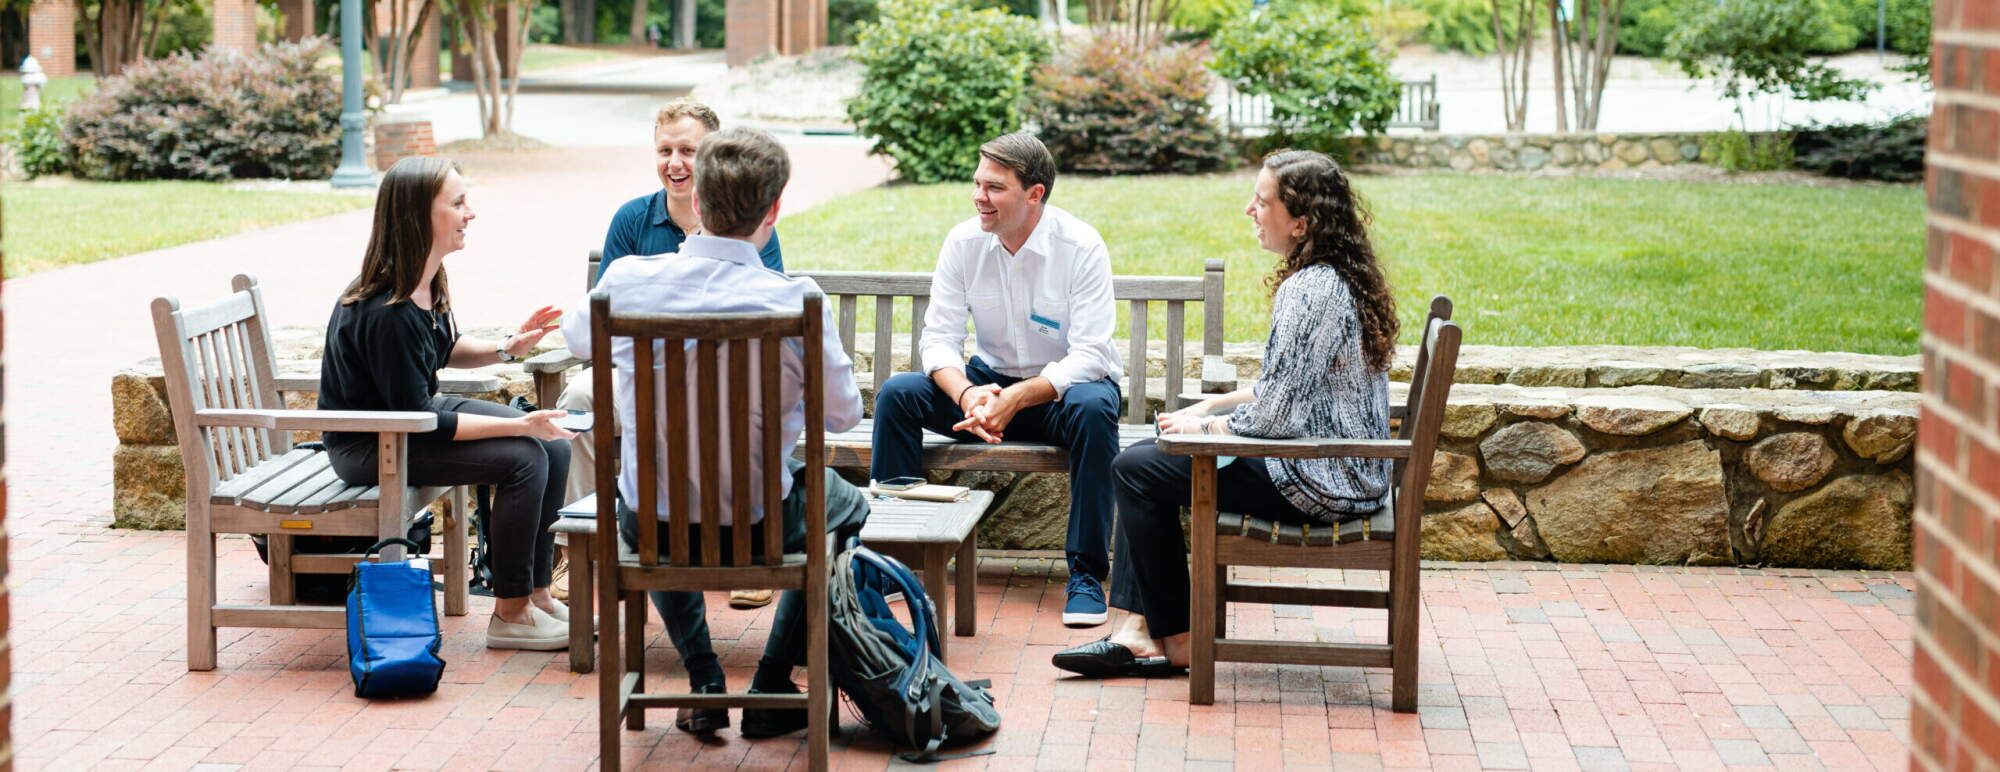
[1515,56]
[120,31]
[684,12]
[636,34]
[514,53]
[1558,37]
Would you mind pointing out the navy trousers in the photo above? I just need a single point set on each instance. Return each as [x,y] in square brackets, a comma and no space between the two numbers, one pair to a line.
[1085,421]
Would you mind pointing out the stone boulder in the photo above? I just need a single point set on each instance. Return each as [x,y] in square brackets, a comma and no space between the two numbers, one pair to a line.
[1466,421]
[1468,533]
[1630,416]
[1652,505]
[1528,451]
[1033,515]
[1732,421]
[1858,521]
[1882,436]
[149,488]
[1793,461]
[139,412]
[1454,477]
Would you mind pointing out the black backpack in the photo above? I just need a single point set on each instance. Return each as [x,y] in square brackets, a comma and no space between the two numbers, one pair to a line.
[893,673]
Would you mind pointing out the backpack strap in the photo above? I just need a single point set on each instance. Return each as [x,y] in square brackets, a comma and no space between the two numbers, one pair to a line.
[929,755]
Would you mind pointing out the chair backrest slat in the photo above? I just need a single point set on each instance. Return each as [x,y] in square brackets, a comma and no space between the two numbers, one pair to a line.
[885,331]
[1135,370]
[738,387]
[215,383]
[919,305]
[847,321]
[705,355]
[1440,350]
[1176,320]
[218,357]
[708,422]
[646,413]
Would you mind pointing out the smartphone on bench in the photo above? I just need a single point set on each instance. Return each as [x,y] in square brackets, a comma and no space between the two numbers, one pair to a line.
[577,421]
[900,483]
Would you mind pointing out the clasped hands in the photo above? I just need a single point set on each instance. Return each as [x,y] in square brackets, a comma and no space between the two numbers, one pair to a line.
[988,409]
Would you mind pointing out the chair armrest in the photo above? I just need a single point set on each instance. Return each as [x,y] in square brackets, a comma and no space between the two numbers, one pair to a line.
[1259,447]
[467,383]
[320,420]
[553,361]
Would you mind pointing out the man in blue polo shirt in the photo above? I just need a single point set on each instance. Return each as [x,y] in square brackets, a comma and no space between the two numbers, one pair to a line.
[656,224]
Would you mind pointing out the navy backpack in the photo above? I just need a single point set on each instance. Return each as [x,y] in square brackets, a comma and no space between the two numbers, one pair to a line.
[392,627]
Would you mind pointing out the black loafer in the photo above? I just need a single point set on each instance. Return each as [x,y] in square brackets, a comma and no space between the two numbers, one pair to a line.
[703,721]
[1103,659]
[761,723]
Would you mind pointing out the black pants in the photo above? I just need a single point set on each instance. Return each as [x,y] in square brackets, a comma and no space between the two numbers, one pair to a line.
[685,614]
[1085,421]
[1151,575]
[529,474]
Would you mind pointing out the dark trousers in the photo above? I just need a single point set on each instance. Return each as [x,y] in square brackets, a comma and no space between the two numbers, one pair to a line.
[685,614]
[528,473]
[1152,572]
[1085,421]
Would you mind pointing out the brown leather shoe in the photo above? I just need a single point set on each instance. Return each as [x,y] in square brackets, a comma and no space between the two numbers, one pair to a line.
[749,598]
[703,721]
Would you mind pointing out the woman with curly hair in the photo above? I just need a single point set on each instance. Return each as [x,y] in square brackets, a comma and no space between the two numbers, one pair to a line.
[1326,363]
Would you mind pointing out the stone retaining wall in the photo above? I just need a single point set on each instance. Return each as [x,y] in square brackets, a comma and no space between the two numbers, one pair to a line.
[1636,474]
[1529,152]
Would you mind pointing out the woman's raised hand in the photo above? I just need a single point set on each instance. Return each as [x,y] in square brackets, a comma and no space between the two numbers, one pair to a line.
[541,425]
[540,323]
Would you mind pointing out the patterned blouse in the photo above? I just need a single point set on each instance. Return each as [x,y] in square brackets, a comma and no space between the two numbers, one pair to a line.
[1316,383]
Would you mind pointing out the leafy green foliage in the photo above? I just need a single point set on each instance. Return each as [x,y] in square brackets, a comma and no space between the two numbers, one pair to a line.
[1645,25]
[268,113]
[844,17]
[1114,108]
[1890,150]
[1739,151]
[1324,74]
[1760,47]
[1461,25]
[38,143]
[938,80]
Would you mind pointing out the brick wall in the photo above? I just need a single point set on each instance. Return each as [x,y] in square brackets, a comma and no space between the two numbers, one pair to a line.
[397,141]
[235,25]
[52,36]
[1955,709]
[751,29]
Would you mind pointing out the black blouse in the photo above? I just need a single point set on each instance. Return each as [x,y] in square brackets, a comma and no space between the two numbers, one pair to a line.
[385,356]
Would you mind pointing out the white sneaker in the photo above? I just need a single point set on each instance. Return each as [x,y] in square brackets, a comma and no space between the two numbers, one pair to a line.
[560,612]
[545,633]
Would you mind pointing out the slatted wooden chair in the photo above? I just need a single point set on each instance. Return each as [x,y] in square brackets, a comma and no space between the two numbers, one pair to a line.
[625,576]
[1386,541]
[244,476]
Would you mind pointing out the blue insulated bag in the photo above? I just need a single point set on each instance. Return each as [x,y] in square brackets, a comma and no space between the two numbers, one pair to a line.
[392,627]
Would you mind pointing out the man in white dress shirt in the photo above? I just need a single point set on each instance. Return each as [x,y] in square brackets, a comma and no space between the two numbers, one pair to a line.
[740,174]
[1036,283]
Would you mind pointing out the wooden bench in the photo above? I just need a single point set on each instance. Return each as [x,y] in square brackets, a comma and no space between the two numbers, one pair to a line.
[244,476]
[853,448]
[926,535]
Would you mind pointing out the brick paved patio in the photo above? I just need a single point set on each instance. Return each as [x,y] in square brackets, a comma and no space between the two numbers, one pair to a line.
[1524,666]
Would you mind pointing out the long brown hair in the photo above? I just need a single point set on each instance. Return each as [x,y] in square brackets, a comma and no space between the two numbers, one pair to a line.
[400,244]
[1313,188]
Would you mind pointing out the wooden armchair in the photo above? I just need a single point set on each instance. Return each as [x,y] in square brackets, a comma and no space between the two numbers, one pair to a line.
[1385,541]
[721,410]
[244,476]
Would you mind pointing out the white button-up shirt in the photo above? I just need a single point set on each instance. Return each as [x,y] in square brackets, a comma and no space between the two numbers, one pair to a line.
[1046,310]
[715,275]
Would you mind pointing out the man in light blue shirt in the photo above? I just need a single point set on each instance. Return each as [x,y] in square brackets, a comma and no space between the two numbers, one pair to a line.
[741,174]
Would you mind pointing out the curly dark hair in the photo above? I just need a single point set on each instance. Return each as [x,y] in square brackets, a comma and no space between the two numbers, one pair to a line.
[1313,188]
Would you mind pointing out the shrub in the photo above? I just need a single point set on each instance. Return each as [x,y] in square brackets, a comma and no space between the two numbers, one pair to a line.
[1760,47]
[269,113]
[1891,150]
[1738,151]
[939,79]
[1324,74]
[38,143]
[1110,108]
[1461,25]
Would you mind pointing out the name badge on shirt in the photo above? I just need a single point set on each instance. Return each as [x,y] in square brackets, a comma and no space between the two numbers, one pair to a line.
[1045,327]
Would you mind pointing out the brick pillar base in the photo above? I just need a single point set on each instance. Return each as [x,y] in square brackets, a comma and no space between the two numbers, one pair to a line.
[298,19]
[424,65]
[235,25]
[1955,705]
[397,141]
[52,36]
[751,30]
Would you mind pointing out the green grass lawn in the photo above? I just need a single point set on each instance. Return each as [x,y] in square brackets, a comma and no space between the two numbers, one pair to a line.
[1528,261]
[57,90]
[46,222]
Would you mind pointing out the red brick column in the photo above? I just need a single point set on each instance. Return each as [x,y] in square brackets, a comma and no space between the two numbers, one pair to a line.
[751,29]
[52,36]
[424,63]
[298,18]
[1955,708]
[6,615]
[235,25]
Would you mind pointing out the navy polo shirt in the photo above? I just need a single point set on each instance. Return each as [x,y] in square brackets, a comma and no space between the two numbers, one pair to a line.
[643,227]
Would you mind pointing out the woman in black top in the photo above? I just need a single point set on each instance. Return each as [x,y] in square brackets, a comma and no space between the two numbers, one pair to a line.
[1326,363]
[390,333]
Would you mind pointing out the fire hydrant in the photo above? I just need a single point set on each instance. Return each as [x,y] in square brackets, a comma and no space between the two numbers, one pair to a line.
[32,81]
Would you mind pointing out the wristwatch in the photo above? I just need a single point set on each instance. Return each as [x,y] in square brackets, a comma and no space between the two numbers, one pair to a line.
[501,350]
